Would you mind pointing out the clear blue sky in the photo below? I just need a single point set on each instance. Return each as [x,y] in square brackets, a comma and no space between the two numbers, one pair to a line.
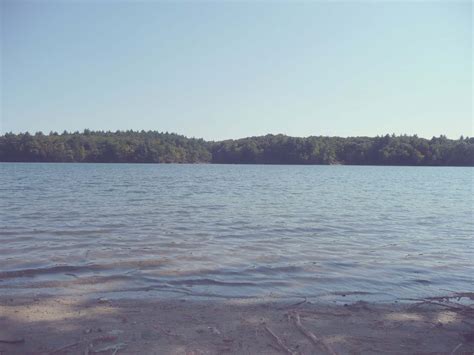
[233,69]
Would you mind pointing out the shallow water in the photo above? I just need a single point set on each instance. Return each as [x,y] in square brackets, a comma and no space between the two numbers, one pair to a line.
[236,230]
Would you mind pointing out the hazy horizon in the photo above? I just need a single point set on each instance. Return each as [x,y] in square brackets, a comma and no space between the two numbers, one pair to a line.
[232,70]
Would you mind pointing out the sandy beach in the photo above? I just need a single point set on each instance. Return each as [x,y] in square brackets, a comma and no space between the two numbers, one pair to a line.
[73,325]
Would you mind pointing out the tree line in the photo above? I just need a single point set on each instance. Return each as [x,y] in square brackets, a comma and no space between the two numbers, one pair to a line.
[158,147]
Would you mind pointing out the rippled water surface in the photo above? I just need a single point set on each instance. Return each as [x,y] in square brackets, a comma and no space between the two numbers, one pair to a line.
[236,230]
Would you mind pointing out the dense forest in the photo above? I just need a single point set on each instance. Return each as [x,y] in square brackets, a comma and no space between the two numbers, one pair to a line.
[156,147]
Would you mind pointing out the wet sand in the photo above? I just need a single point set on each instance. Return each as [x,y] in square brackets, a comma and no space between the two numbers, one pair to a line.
[74,325]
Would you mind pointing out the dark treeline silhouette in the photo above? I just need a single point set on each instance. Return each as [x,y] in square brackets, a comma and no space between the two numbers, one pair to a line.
[156,147]
[103,147]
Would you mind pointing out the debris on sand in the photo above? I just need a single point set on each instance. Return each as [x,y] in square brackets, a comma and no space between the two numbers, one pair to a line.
[12,340]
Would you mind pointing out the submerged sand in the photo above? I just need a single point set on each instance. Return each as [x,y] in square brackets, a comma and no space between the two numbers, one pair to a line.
[72,325]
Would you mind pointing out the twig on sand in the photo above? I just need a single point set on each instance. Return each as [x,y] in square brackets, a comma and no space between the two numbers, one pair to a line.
[455,307]
[456,295]
[456,348]
[164,331]
[214,330]
[280,342]
[316,341]
[12,341]
[64,347]
[114,347]
[445,301]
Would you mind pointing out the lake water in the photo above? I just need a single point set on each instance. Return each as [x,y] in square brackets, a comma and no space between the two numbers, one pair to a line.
[322,232]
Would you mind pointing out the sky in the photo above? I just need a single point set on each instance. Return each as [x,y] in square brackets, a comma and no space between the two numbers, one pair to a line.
[220,70]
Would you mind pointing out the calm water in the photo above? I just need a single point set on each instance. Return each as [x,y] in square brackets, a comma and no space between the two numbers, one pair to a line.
[236,231]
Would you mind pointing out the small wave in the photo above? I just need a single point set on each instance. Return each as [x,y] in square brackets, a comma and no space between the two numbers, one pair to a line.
[193,282]
[82,268]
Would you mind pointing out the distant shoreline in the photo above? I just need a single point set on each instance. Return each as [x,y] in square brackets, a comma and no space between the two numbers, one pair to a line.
[233,164]
[156,147]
